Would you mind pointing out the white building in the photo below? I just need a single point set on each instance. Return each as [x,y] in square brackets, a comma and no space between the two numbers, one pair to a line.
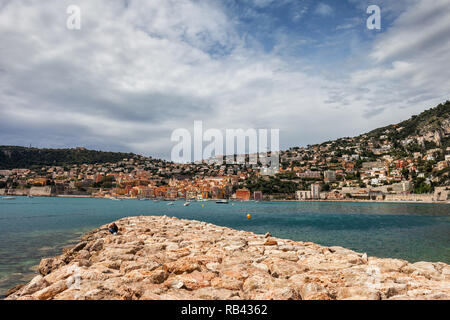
[303,195]
[315,191]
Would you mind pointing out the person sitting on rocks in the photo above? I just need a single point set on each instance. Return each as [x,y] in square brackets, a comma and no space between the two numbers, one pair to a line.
[113,228]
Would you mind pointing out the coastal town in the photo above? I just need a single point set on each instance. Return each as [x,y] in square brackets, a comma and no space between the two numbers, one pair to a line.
[409,161]
[321,172]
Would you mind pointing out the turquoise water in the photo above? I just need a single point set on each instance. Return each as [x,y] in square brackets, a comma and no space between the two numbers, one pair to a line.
[33,228]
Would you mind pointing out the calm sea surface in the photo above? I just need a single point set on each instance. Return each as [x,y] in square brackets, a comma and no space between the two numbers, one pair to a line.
[33,228]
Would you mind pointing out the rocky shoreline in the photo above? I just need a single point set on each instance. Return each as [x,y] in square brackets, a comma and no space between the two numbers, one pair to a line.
[156,257]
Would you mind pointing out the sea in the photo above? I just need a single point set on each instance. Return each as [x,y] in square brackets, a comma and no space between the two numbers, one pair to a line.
[34,228]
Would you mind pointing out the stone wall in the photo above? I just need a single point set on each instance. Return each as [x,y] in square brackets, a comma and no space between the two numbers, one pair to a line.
[14,192]
[442,194]
[46,191]
[410,197]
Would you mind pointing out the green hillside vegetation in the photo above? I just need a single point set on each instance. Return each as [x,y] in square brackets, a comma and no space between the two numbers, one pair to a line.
[429,120]
[22,157]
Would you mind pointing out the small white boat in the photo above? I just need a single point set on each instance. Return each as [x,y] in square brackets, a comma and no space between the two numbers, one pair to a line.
[170,204]
[186,204]
[116,199]
[223,201]
[8,198]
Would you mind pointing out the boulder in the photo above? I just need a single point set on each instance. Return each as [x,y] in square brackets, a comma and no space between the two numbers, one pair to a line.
[182,259]
[312,290]
[36,284]
[47,265]
[51,291]
[270,242]
[358,293]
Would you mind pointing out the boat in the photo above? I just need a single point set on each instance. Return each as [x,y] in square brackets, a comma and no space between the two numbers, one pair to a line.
[186,204]
[116,199]
[8,198]
[30,196]
[170,203]
[223,201]
[143,199]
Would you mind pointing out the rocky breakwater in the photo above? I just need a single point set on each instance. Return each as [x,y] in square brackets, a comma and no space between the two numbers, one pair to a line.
[169,258]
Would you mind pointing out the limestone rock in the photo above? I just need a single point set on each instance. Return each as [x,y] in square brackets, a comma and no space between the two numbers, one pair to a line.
[36,284]
[158,276]
[312,290]
[51,291]
[168,258]
[177,284]
[47,265]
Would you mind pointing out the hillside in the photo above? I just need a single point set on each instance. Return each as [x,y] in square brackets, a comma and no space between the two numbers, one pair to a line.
[22,157]
[432,124]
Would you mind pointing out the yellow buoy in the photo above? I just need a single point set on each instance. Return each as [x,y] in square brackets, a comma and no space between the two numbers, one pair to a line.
[203,205]
[249,216]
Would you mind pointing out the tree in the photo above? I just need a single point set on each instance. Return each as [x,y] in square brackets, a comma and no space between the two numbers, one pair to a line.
[421,186]
[405,173]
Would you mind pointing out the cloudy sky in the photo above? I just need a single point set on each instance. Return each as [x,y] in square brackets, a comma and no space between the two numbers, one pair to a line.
[139,69]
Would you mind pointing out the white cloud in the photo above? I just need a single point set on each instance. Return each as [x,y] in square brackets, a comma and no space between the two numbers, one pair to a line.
[323,9]
[407,60]
[425,27]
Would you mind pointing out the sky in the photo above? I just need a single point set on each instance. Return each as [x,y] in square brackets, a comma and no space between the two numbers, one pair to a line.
[137,70]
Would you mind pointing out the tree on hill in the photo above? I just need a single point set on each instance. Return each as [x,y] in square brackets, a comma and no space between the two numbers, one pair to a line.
[21,157]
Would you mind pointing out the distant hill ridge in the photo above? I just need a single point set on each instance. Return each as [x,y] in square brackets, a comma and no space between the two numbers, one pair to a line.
[431,129]
[432,124]
[22,157]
